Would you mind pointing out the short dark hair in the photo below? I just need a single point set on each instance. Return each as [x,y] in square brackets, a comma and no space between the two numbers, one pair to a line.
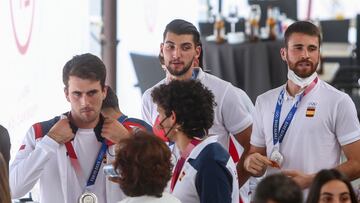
[304,27]
[183,27]
[111,100]
[278,188]
[192,103]
[85,66]
[144,164]
[322,178]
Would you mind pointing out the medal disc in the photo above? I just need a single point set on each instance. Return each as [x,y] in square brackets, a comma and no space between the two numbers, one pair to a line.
[277,158]
[88,197]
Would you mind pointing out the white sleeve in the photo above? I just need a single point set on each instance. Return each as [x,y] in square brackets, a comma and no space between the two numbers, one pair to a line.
[235,115]
[146,107]
[246,101]
[258,136]
[29,163]
[347,127]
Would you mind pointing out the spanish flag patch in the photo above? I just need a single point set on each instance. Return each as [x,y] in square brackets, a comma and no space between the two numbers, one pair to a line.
[310,111]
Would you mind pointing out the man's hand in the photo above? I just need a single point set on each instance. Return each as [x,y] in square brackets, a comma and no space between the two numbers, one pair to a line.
[302,179]
[114,131]
[256,164]
[61,132]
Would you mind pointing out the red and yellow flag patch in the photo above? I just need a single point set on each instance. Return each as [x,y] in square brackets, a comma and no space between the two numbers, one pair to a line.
[310,111]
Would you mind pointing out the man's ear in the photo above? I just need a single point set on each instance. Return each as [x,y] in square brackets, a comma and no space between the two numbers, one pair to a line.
[198,51]
[105,91]
[173,117]
[161,49]
[283,53]
[66,92]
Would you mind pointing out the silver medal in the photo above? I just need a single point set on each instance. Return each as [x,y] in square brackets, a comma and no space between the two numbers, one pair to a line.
[88,197]
[276,157]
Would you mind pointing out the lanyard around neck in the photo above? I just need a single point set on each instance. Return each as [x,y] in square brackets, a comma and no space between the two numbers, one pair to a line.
[279,134]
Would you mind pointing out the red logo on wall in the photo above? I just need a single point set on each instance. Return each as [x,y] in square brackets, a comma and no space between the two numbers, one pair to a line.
[22,17]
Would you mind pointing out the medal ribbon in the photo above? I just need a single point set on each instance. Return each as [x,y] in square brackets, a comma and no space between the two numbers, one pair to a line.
[180,163]
[195,73]
[76,165]
[73,157]
[278,135]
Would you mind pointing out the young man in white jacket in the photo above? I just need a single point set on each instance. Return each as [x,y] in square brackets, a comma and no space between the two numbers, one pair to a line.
[67,153]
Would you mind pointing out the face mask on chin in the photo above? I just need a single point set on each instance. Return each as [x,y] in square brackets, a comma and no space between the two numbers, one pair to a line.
[301,82]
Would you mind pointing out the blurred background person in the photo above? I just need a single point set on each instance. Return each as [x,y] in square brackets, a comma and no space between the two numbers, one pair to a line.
[205,172]
[330,185]
[4,182]
[278,188]
[144,167]
[110,108]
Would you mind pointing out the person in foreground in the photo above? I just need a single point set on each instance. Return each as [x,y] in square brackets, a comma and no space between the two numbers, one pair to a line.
[330,186]
[277,188]
[144,168]
[205,172]
[66,153]
[303,126]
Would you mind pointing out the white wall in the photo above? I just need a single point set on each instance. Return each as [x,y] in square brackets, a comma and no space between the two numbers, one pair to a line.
[31,81]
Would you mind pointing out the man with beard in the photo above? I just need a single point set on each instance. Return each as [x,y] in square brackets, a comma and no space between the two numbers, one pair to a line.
[67,153]
[182,53]
[302,126]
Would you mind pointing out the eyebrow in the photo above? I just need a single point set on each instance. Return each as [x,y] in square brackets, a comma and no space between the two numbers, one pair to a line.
[87,92]
[326,194]
[182,44]
[297,45]
[301,45]
[330,194]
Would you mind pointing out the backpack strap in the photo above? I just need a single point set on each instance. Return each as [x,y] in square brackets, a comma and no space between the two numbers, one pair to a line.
[130,123]
[42,128]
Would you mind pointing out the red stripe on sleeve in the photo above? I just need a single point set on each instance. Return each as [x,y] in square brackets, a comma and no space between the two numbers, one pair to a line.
[233,152]
[38,131]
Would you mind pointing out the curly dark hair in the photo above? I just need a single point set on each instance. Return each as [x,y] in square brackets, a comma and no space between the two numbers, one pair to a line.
[144,164]
[192,103]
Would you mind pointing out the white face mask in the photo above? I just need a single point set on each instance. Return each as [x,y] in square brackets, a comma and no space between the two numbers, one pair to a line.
[302,82]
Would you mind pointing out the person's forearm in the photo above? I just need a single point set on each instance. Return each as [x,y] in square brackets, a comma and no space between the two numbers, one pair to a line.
[350,168]
[243,175]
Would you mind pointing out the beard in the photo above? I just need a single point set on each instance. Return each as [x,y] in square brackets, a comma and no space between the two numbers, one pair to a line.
[87,115]
[302,72]
[181,72]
